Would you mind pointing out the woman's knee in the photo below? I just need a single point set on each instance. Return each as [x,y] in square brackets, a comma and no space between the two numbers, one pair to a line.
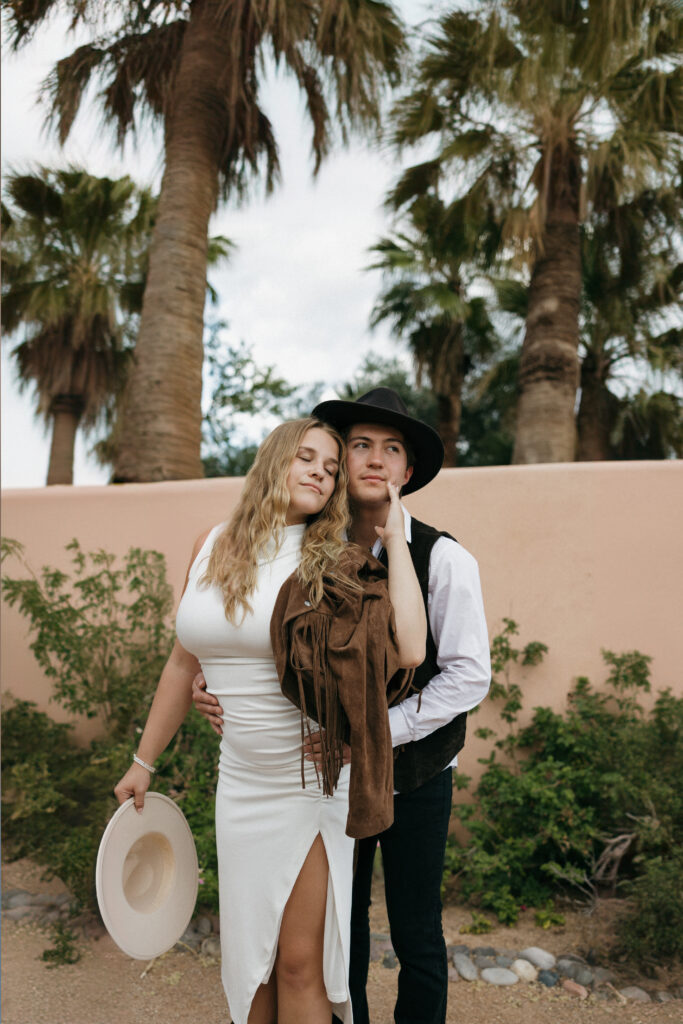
[299,966]
[299,963]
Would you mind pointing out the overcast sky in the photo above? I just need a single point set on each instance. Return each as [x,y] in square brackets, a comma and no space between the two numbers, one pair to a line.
[295,288]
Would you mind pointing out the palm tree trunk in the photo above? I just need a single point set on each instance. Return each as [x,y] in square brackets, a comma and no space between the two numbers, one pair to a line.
[549,364]
[595,415]
[159,432]
[449,415]
[66,412]
[446,366]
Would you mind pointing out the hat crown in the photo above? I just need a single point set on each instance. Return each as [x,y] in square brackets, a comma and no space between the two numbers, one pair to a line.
[384,398]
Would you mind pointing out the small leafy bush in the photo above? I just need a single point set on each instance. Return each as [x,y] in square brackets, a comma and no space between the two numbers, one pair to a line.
[651,929]
[547,917]
[588,799]
[57,796]
[102,635]
[479,925]
[64,949]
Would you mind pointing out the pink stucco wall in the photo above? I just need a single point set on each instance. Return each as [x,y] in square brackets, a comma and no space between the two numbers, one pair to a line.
[582,556]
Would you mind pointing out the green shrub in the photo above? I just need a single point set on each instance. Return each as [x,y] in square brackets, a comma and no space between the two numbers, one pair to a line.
[651,930]
[588,798]
[479,925]
[64,949]
[56,796]
[547,917]
[101,634]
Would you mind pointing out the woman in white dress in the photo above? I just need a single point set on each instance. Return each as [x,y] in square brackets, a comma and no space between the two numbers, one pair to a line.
[285,862]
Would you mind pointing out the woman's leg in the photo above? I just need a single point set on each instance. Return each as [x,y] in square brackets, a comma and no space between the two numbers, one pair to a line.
[301,994]
[264,1004]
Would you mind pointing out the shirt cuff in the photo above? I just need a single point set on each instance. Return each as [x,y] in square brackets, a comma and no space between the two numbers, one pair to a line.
[398,724]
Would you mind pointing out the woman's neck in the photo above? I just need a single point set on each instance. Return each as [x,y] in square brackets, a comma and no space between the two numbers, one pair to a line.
[364,521]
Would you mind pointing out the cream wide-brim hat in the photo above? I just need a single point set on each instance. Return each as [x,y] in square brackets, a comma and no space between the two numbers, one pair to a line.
[147,876]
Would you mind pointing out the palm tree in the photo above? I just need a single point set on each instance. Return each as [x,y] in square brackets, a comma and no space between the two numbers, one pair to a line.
[196,65]
[648,426]
[425,301]
[74,255]
[548,108]
[631,313]
[630,323]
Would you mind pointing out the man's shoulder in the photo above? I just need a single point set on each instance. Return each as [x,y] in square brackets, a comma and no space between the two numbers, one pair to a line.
[424,530]
[446,553]
[425,534]
[452,565]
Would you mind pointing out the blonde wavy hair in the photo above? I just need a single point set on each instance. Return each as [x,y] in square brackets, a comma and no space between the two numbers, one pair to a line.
[259,521]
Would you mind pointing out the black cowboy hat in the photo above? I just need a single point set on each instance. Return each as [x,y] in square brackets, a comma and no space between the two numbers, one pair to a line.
[383,405]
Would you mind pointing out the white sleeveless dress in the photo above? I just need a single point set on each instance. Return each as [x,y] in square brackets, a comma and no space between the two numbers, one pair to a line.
[266,821]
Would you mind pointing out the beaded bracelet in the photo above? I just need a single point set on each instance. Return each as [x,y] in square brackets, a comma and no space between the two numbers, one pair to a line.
[150,768]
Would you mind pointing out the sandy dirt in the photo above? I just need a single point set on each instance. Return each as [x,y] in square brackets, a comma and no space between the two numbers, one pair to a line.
[107,987]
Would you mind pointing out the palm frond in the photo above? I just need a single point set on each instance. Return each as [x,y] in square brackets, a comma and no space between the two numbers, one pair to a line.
[362,45]
[24,17]
[34,195]
[512,296]
[132,68]
[414,181]
[310,82]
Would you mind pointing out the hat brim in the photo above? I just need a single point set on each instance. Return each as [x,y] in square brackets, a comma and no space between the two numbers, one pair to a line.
[147,876]
[425,442]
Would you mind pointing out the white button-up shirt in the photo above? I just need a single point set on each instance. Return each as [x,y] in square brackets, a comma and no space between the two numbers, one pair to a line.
[456,619]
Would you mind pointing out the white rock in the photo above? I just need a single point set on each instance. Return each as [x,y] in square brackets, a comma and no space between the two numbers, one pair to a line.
[635,993]
[499,976]
[539,957]
[524,970]
[44,899]
[19,913]
[465,967]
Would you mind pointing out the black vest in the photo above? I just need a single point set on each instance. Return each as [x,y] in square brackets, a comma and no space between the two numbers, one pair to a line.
[418,762]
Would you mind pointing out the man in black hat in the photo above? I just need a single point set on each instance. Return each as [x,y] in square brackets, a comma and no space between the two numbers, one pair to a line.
[386,444]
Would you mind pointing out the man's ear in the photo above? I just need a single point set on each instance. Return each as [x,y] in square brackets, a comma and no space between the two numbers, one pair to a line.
[409,473]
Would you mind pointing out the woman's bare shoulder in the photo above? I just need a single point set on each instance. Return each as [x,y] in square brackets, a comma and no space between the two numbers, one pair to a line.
[201,540]
[199,543]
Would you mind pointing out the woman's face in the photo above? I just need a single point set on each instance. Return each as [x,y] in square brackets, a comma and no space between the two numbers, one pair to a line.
[312,475]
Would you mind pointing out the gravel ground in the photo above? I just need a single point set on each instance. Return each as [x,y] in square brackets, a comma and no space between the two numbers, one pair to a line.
[107,987]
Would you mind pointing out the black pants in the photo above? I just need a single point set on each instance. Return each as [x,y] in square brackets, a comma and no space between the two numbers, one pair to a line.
[412,856]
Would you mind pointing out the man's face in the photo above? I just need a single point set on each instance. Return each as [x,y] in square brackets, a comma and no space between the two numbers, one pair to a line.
[375,455]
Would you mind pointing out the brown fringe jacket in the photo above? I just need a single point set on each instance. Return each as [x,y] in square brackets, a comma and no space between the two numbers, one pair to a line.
[339,664]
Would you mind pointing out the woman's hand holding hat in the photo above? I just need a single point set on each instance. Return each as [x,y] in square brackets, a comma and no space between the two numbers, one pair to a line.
[134,783]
